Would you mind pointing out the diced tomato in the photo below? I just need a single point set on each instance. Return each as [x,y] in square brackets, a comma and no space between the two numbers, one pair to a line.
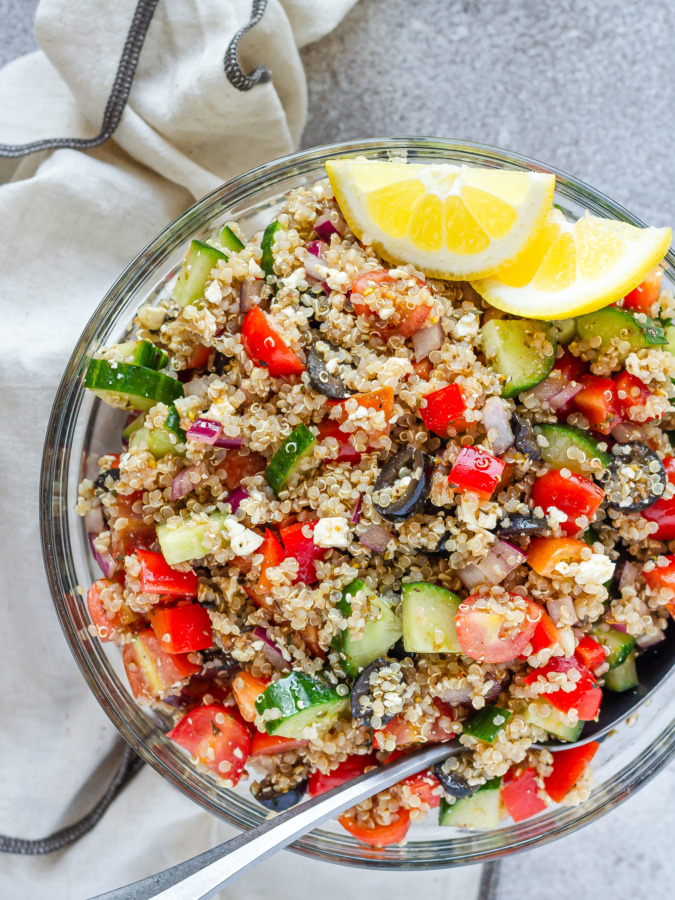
[507,477]
[660,576]
[423,368]
[381,399]
[568,767]
[203,692]
[246,689]
[265,348]
[585,697]
[646,294]
[405,733]
[476,470]
[351,767]
[444,409]
[663,511]
[632,394]
[590,653]
[110,626]
[544,553]
[216,739]
[182,629]
[135,533]
[408,321]
[545,633]
[150,669]
[599,402]
[310,635]
[380,835]
[425,786]
[236,466]
[273,555]
[329,428]
[573,368]
[303,549]
[488,636]
[269,744]
[576,496]
[157,577]
[520,794]
[200,357]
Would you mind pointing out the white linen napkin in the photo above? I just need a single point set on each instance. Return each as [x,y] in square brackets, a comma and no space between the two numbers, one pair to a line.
[69,222]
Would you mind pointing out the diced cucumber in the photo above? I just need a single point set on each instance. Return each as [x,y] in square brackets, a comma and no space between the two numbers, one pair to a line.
[143,353]
[200,259]
[552,721]
[590,536]
[267,243]
[228,240]
[669,332]
[187,541]
[304,703]
[562,438]
[623,677]
[428,618]
[378,634]
[482,810]
[170,438]
[613,322]
[618,645]
[486,724]
[565,330]
[130,387]
[299,443]
[508,345]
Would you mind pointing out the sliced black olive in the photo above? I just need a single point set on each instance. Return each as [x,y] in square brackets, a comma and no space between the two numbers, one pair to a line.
[278,801]
[519,524]
[634,479]
[221,363]
[406,477]
[524,438]
[100,483]
[398,651]
[362,688]
[217,662]
[453,783]
[324,382]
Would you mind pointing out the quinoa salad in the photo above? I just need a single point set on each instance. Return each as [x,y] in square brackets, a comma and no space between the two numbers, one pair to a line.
[362,503]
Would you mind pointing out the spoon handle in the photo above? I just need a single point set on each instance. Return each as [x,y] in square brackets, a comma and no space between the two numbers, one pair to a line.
[204,875]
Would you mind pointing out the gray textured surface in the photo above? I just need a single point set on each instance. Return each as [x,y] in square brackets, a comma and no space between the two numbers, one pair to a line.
[585,86]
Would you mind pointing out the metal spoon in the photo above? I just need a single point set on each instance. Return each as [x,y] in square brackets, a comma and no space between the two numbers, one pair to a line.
[204,875]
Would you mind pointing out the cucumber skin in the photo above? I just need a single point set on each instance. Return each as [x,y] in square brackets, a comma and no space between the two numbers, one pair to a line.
[185,542]
[296,696]
[620,645]
[149,386]
[285,460]
[463,813]
[608,323]
[481,724]
[501,329]
[194,274]
[552,724]
[352,654]
[266,244]
[622,677]
[229,240]
[418,594]
[576,437]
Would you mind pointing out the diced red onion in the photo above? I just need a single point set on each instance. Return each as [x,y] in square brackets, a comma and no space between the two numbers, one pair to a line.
[327,225]
[317,248]
[648,640]
[495,417]
[502,559]
[270,650]
[229,443]
[206,431]
[250,293]
[197,387]
[93,520]
[315,265]
[236,497]
[375,538]
[629,575]
[569,391]
[549,388]
[426,340]
[105,561]
[617,626]
[556,608]
[456,696]
[356,515]
[181,484]
[626,432]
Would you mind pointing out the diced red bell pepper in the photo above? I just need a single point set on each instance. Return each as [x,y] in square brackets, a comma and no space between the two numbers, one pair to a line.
[182,629]
[200,357]
[270,744]
[572,367]
[590,653]
[644,295]
[576,496]
[246,689]
[586,696]
[151,670]
[303,549]
[663,511]
[520,793]
[379,835]
[568,767]
[632,394]
[423,784]
[661,576]
[599,402]
[444,409]
[381,399]
[476,470]
[273,555]
[110,626]
[545,634]
[351,767]
[265,348]
[409,320]
[329,428]
[157,577]
[216,739]
[544,553]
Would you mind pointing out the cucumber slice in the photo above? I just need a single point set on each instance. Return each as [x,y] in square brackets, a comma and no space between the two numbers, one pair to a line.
[482,810]
[613,322]
[228,240]
[486,724]
[143,353]
[428,614]
[160,441]
[378,634]
[565,330]
[196,271]
[299,443]
[266,245]
[508,347]
[306,704]
[552,721]
[187,541]
[669,332]
[623,677]
[619,646]
[130,387]
[562,438]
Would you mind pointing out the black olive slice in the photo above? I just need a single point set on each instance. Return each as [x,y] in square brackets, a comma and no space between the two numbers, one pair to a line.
[403,485]
[278,801]
[524,438]
[519,524]
[322,380]
[452,782]
[362,687]
[634,479]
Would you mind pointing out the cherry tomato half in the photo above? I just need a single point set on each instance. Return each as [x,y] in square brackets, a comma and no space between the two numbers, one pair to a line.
[486,634]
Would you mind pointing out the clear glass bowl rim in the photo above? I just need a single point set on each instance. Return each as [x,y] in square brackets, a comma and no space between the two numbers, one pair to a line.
[62,578]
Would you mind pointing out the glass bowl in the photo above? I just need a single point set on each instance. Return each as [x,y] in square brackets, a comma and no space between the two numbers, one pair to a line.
[81,429]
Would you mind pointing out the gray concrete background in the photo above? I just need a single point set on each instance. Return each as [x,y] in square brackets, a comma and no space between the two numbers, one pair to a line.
[585,85]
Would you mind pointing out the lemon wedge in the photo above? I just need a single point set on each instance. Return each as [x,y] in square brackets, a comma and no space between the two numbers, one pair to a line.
[573,268]
[452,222]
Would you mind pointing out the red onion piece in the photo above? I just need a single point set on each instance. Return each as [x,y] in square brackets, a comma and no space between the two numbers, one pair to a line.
[561,610]
[425,340]
[327,225]
[356,515]
[629,575]
[495,417]
[181,484]
[549,388]
[229,443]
[569,391]
[648,640]
[93,520]
[315,265]
[501,560]
[206,431]
[375,538]
[617,626]
[627,432]
[250,294]
[105,561]
[236,497]
[272,653]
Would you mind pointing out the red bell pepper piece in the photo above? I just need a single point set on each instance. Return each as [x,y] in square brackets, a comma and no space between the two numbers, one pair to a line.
[644,295]
[265,348]
[157,577]
[444,409]
[632,395]
[663,511]
[182,629]
[576,496]
[544,553]
[270,744]
[476,470]
[216,738]
[586,696]
[599,402]
[352,767]
[273,555]
[329,428]
[246,689]
[382,398]
[568,766]
[573,368]
[545,634]
[151,671]
[661,576]
[590,653]
[303,549]
[520,794]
